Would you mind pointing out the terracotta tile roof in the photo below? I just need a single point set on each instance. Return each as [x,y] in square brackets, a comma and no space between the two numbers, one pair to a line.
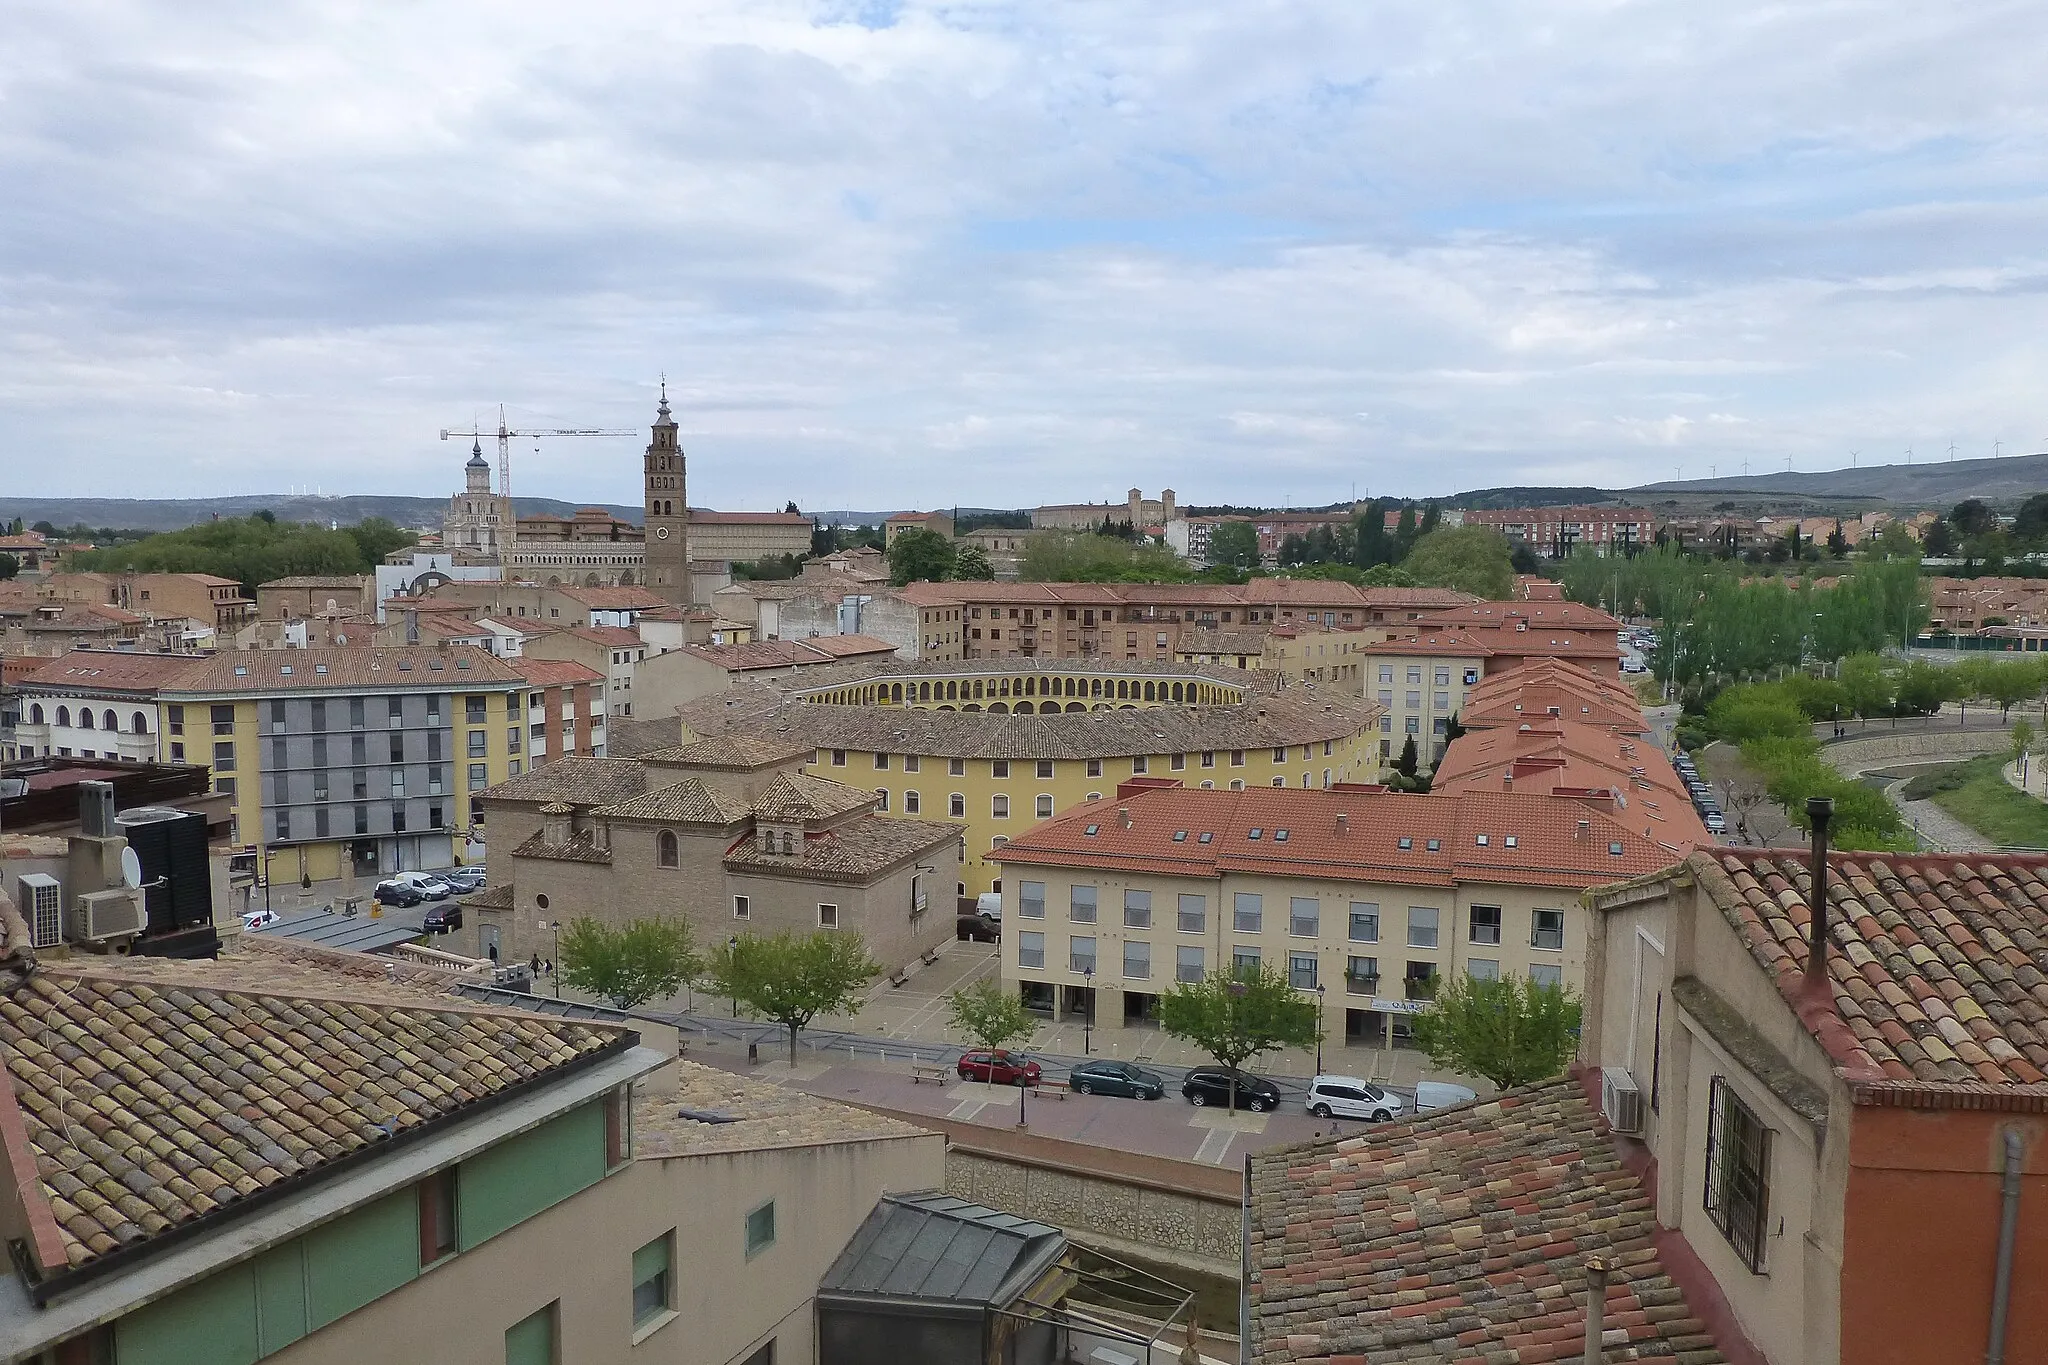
[685,802]
[634,736]
[613,599]
[754,1115]
[110,670]
[802,797]
[150,1104]
[854,849]
[1460,1236]
[1939,962]
[1564,757]
[556,672]
[582,846]
[579,781]
[264,670]
[728,751]
[1446,644]
[1201,641]
[611,637]
[1528,693]
[1300,835]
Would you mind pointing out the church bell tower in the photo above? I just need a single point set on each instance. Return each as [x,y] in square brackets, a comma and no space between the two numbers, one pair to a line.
[668,511]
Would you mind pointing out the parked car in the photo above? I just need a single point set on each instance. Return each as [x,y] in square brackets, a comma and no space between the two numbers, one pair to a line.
[975,929]
[998,1068]
[256,919]
[427,884]
[464,879]
[1117,1078]
[443,919]
[1211,1085]
[397,893]
[1441,1095]
[1716,822]
[1348,1097]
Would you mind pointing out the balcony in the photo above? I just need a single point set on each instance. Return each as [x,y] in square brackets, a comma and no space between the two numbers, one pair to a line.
[1421,987]
[1361,985]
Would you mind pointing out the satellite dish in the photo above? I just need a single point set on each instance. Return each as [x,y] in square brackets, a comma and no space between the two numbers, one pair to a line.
[131,868]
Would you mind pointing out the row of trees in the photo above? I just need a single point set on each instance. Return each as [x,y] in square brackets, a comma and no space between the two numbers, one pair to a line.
[1509,1031]
[921,555]
[254,549]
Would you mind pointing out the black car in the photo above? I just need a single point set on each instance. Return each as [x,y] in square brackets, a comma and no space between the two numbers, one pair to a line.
[1116,1078]
[1211,1085]
[397,893]
[443,918]
[975,929]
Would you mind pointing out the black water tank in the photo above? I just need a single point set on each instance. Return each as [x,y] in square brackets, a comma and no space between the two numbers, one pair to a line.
[171,846]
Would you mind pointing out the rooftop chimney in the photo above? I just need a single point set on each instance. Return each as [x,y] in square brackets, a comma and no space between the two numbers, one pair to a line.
[1343,823]
[1819,811]
[1123,816]
[1585,828]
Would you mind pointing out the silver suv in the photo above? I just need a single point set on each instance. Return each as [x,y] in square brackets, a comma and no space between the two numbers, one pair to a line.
[1348,1097]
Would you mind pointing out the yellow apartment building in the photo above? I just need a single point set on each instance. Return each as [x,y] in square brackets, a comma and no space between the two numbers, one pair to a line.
[999,745]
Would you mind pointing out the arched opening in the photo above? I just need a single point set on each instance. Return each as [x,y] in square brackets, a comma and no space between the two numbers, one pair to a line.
[896,693]
[1148,693]
[35,713]
[110,721]
[625,578]
[1075,706]
[665,849]
[999,708]
[944,707]
[590,580]
[553,581]
[971,706]
[952,691]
[141,723]
[85,718]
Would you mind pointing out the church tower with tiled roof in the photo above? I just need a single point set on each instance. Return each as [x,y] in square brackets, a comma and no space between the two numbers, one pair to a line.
[668,510]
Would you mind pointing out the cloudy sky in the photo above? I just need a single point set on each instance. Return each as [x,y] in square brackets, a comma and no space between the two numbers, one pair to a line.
[999,253]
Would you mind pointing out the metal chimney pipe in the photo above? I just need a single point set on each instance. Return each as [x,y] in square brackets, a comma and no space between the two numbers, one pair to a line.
[1819,811]
[1597,1268]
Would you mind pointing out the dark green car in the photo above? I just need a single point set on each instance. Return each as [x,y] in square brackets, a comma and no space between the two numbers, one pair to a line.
[1117,1078]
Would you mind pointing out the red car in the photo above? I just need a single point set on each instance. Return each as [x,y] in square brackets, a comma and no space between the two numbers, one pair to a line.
[998,1068]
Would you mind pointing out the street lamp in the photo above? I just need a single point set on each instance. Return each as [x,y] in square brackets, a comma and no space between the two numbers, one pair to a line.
[1088,1019]
[1319,1028]
[732,945]
[555,962]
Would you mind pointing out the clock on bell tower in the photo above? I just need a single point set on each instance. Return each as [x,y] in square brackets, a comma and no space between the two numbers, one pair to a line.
[668,511]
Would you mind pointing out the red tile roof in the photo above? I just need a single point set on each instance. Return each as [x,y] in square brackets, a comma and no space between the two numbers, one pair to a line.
[1345,834]
[614,599]
[556,672]
[1553,756]
[1461,1236]
[1938,963]
[1530,693]
[109,670]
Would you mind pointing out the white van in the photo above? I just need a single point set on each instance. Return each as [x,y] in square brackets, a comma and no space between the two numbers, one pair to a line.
[1347,1097]
[1441,1095]
[989,905]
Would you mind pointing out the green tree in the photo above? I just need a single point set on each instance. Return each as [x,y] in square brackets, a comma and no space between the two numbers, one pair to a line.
[990,1014]
[793,978]
[1405,762]
[1973,517]
[1067,557]
[378,537]
[1511,1031]
[646,959]
[970,561]
[1235,545]
[1872,690]
[1237,1015]
[1838,543]
[2022,738]
[2010,682]
[1474,559]
[2031,522]
[920,555]
[9,567]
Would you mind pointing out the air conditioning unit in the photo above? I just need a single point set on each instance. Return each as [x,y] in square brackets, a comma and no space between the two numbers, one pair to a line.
[42,904]
[1620,1101]
[100,915]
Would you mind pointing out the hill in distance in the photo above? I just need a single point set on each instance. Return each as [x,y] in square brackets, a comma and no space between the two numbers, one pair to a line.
[1942,484]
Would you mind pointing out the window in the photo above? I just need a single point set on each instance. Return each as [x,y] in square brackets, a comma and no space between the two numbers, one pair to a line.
[1411,700]
[999,807]
[1304,916]
[1044,767]
[999,768]
[1737,1194]
[395,710]
[1194,913]
[398,748]
[1442,677]
[1043,806]
[1137,960]
[1137,909]
[1365,922]
[828,916]
[666,850]
[1361,974]
[911,803]
[224,757]
[761,1229]
[956,805]
[742,907]
[1541,975]
[881,763]
[1485,924]
[478,744]
[1414,673]
[1188,964]
[1244,960]
[1549,929]
[1247,912]
[1031,948]
[534,1340]
[881,798]
[839,758]
[1138,766]
[1178,762]
[1301,971]
[479,778]
[1081,905]
[1482,968]
[1209,758]
[651,1297]
[1094,767]
[362,819]
[1422,926]
[437,1216]
[512,734]
[1031,900]
[1081,954]
[223,719]
[1280,754]
[956,767]
[276,716]
[319,713]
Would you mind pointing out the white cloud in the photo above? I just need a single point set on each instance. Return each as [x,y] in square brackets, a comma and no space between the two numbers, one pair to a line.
[996,253]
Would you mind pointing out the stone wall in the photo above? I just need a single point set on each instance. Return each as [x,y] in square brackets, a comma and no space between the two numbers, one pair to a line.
[1859,755]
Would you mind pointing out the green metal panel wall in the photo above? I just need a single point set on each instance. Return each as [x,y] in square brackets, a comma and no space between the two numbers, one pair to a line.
[281,1296]
[212,1323]
[517,1179]
[362,1257]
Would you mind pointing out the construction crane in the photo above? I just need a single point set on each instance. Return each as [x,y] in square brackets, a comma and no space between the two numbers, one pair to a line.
[505,435]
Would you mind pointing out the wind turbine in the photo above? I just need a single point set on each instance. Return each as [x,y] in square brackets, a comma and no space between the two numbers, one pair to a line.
[1951,452]
[1788,464]
[1852,458]
[1909,455]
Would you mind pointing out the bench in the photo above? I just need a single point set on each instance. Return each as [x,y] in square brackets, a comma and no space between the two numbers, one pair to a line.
[1059,1090]
[930,1071]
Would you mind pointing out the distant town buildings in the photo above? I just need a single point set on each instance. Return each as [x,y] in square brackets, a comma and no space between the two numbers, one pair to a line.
[1557,531]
